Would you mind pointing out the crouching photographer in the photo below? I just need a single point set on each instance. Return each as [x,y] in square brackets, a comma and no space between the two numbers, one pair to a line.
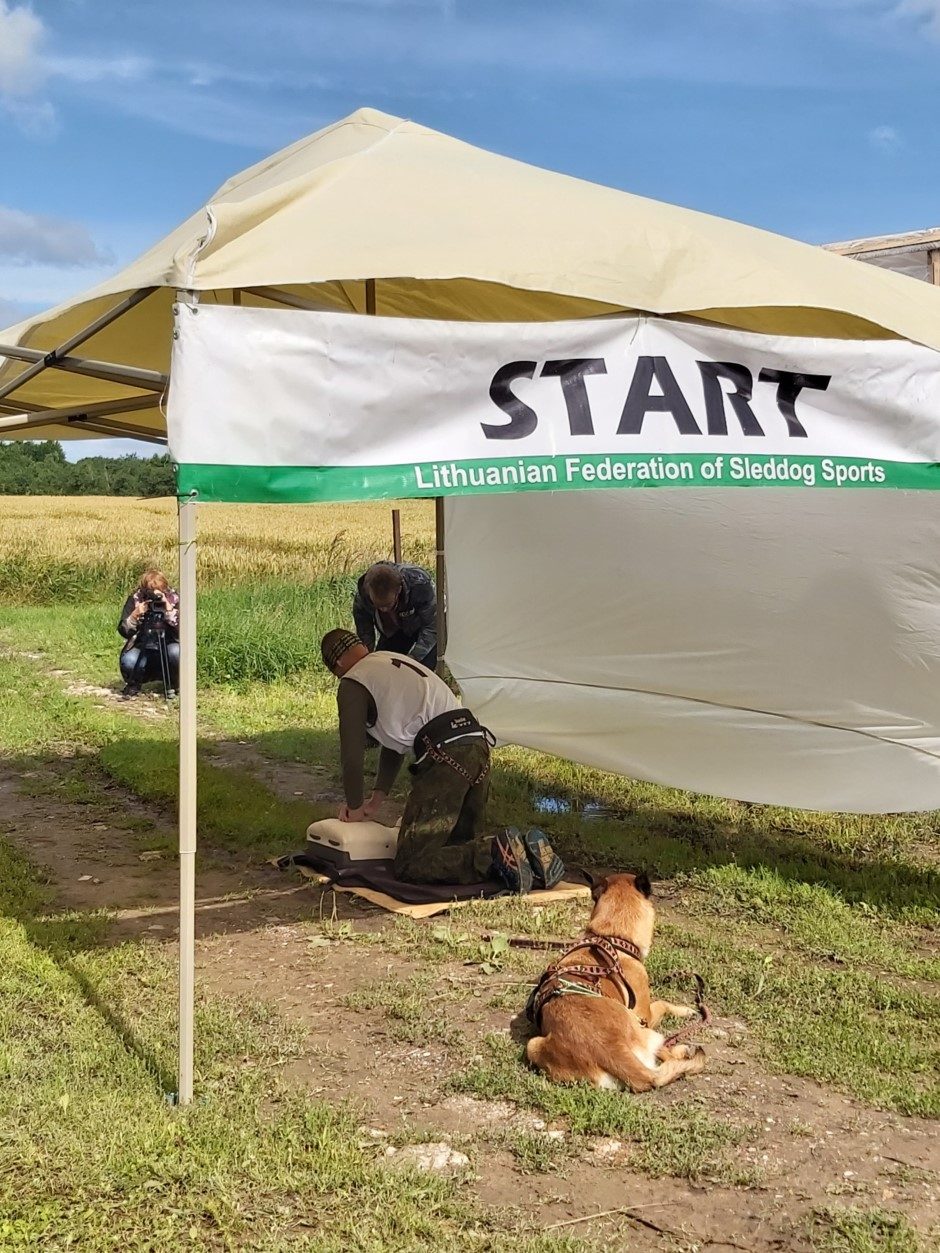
[150,622]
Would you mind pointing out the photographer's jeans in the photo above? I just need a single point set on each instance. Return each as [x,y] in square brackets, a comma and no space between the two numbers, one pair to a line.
[142,665]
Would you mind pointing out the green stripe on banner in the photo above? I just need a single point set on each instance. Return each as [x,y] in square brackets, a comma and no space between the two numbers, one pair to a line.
[297,484]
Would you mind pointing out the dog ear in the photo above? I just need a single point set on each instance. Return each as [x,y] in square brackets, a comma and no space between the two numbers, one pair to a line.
[642,884]
[598,887]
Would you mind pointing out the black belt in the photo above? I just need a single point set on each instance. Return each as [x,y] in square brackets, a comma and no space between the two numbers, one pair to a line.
[444,727]
[430,740]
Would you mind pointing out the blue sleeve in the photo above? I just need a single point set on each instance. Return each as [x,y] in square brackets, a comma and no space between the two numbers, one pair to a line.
[424,602]
[365,621]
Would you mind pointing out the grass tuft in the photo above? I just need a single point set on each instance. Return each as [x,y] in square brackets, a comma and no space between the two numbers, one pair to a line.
[679,1138]
[863,1231]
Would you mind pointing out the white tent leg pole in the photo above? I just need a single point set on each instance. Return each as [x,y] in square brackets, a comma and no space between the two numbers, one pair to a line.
[187,794]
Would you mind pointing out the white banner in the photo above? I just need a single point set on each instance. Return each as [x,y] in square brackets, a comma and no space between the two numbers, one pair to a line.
[289,405]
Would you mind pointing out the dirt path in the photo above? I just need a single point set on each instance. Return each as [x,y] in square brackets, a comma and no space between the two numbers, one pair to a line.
[809,1147]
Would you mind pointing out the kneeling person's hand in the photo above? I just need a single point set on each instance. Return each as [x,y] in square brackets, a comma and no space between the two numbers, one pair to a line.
[351,815]
[374,804]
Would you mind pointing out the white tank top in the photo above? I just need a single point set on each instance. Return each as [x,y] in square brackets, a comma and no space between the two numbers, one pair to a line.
[407,696]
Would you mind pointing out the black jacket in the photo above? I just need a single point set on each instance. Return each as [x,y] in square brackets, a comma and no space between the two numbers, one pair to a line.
[416,609]
[134,601]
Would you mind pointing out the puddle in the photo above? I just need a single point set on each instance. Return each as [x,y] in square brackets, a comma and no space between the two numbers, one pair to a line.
[589,811]
[551,805]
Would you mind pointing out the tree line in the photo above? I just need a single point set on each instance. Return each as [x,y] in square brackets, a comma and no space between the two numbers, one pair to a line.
[39,468]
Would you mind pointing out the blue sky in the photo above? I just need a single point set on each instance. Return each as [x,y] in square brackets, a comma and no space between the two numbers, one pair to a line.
[815,118]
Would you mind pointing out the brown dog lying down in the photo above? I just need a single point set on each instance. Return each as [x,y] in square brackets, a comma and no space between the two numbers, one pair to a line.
[593,1009]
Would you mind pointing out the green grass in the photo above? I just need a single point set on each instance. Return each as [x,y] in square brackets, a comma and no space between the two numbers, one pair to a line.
[269,631]
[863,1231]
[814,919]
[260,632]
[31,576]
[680,1139]
[847,1027]
[536,1153]
[410,1008]
[808,1010]
[235,811]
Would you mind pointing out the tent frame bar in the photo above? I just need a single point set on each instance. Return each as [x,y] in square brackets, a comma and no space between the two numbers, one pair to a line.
[63,350]
[131,376]
[123,429]
[278,297]
[19,408]
[102,408]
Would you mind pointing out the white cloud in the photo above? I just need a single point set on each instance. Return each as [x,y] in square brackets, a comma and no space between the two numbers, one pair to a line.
[35,238]
[885,138]
[23,71]
[926,11]
[84,69]
[35,118]
[21,36]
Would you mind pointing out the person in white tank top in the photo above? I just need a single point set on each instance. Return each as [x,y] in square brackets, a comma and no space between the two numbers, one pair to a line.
[407,696]
[407,708]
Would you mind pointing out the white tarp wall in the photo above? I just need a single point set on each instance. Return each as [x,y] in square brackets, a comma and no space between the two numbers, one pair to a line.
[697,556]
[769,645]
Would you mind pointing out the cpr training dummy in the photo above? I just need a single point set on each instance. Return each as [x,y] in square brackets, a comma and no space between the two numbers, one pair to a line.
[407,708]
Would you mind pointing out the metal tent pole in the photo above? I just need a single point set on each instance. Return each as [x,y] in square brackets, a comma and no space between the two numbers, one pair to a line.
[440,571]
[396,536]
[187,794]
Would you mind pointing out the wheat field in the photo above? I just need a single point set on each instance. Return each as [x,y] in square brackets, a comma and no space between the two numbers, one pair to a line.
[54,546]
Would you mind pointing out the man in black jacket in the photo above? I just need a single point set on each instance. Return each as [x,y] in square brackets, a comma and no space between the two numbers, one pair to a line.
[395,610]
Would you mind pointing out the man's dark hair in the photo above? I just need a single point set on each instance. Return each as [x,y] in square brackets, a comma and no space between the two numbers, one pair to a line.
[382,580]
[334,644]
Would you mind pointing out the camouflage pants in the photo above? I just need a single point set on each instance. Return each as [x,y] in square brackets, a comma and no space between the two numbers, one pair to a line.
[442,839]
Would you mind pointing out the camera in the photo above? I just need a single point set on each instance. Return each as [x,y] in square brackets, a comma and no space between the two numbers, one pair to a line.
[153,622]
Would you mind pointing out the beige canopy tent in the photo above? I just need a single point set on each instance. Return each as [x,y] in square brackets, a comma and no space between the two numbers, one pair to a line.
[379,215]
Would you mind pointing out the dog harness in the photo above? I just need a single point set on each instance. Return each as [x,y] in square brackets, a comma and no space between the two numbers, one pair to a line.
[584,979]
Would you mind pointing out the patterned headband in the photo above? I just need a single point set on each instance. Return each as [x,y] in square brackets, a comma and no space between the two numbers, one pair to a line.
[341,645]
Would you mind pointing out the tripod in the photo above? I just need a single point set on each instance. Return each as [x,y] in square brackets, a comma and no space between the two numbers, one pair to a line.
[153,640]
[168,690]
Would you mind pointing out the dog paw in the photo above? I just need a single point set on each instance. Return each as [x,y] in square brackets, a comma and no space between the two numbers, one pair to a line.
[688,1051]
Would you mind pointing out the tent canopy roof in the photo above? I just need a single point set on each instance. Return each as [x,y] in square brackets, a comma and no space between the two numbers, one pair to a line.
[447,231]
